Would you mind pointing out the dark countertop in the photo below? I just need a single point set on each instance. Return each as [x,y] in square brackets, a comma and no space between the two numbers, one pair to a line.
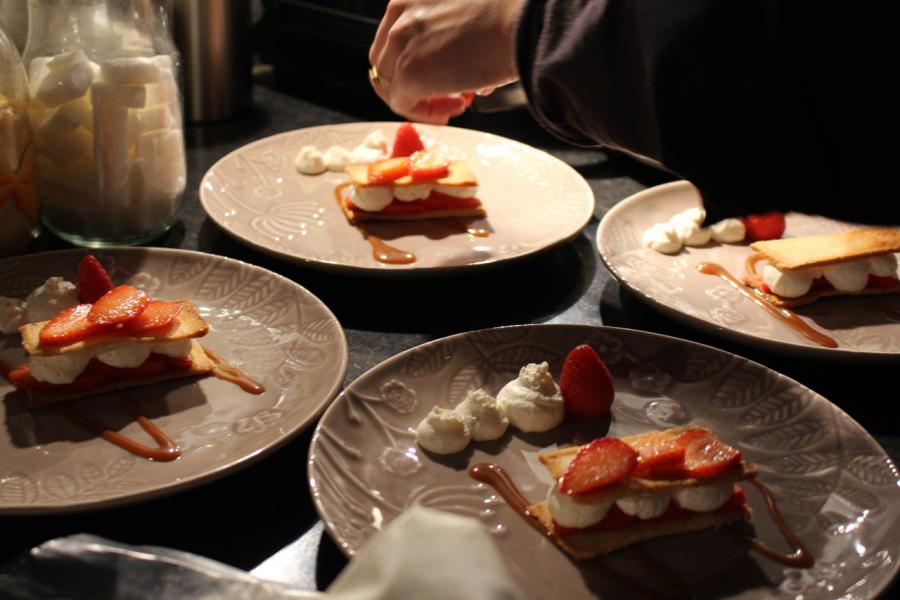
[245,517]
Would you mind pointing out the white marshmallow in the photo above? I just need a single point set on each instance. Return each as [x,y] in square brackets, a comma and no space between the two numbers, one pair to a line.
[848,276]
[164,91]
[883,265]
[728,231]
[163,151]
[37,72]
[69,148]
[109,97]
[69,77]
[66,118]
[129,71]
[662,238]
[787,283]
[695,215]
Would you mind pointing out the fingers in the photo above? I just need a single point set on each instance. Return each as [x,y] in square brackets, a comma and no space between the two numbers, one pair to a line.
[435,111]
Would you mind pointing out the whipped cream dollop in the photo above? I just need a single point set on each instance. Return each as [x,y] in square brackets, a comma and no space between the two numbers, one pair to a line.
[883,265]
[65,368]
[728,231]
[569,512]
[788,283]
[49,298]
[703,498]
[686,229]
[408,193]
[662,238]
[482,414]
[457,191]
[310,161]
[372,198]
[644,506]
[849,276]
[443,431]
[532,401]
[12,315]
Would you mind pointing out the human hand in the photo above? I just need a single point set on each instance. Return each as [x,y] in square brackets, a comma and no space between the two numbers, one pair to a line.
[429,55]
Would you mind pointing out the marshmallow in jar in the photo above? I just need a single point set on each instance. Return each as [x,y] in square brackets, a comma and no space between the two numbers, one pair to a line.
[18,178]
[106,113]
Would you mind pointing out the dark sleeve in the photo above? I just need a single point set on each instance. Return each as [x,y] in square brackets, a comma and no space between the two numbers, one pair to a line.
[764,105]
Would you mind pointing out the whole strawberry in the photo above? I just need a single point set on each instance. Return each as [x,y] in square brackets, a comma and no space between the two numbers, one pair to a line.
[93,280]
[586,384]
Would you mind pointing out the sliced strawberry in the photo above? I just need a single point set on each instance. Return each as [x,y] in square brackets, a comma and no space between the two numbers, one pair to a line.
[586,384]
[388,170]
[659,456]
[21,377]
[156,318]
[878,282]
[598,464]
[425,166]
[468,97]
[93,280]
[765,226]
[708,456]
[69,326]
[118,305]
[406,141]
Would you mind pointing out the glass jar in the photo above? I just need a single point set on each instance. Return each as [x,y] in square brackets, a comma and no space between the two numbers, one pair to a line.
[18,179]
[106,113]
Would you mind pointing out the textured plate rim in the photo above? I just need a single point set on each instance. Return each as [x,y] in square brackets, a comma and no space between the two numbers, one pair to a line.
[223,470]
[350,552]
[794,348]
[395,270]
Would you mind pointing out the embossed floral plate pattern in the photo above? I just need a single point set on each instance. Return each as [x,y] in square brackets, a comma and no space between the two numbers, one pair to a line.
[533,201]
[864,327]
[834,484]
[271,328]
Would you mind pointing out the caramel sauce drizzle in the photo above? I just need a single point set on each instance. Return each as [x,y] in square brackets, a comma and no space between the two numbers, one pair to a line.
[496,477]
[232,374]
[381,250]
[165,451]
[786,316]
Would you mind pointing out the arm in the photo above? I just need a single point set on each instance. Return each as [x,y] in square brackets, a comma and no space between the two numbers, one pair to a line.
[763,105]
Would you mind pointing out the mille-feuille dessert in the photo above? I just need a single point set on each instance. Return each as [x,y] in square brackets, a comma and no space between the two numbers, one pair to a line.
[412,184]
[801,270]
[614,492]
[115,338]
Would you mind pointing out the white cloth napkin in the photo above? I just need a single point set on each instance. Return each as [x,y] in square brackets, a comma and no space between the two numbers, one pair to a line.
[423,554]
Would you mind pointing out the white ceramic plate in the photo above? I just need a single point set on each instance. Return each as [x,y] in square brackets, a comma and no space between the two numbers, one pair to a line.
[834,484]
[270,327]
[864,327]
[533,200]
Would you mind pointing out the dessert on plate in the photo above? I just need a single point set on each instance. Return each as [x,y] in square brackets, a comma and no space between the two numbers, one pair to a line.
[414,183]
[614,492]
[113,338]
[801,270]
